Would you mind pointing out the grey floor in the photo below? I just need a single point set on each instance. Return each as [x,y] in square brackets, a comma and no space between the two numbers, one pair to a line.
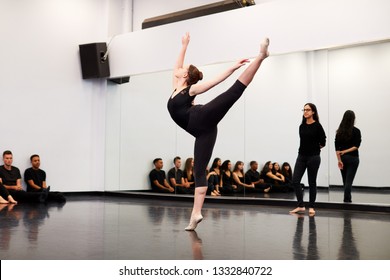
[121,228]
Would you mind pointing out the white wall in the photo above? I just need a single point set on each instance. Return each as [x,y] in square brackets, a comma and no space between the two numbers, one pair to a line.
[45,105]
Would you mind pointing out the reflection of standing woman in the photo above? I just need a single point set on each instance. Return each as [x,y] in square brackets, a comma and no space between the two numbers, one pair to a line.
[201,120]
[312,139]
[347,142]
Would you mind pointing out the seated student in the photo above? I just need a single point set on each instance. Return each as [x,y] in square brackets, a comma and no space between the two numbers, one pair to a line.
[176,179]
[287,172]
[35,179]
[215,167]
[274,178]
[11,179]
[213,181]
[228,185]
[188,173]
[252,176]
[158,179]
[5,197]
[239,178]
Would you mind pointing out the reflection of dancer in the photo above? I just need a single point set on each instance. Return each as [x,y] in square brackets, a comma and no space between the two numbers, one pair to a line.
[201,120]
[347,142]
[312,139]
[196,244]
[348,249]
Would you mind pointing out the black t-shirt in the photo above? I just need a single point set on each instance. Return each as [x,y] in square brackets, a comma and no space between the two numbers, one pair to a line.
[175,173]
[158,175]
[355,141]
[179,107]
[37,175]
[312,136]
[9,177]
[252,176]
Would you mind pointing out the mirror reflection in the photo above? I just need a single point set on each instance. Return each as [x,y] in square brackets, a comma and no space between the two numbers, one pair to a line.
[263,125]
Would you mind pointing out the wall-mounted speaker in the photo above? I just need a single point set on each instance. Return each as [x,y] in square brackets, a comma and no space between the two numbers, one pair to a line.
[94,63]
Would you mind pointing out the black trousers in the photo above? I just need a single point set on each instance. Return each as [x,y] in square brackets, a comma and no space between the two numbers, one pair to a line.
[311,164]
[348,173]
[203,126]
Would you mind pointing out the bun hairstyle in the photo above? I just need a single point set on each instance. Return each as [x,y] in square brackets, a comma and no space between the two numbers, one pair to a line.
[194,75]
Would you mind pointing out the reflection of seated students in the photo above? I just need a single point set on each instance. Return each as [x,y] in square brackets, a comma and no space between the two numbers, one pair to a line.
[287,172]
[228,185]
[213,181]
[252,176]
[215,167]
[188,173]
[158,179]
[11,178]
[239,178]
[274,178]
[35,179]
[176,179]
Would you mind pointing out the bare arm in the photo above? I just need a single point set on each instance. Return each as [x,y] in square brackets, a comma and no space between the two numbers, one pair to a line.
[205,86]
[31,184]
[185,40]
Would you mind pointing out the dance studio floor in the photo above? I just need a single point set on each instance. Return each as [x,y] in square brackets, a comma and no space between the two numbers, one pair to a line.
[97,227]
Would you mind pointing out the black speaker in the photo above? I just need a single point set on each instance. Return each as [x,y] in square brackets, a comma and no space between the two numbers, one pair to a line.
[93,62]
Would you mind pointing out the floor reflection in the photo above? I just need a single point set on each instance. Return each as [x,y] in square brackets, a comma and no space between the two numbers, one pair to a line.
[127,229]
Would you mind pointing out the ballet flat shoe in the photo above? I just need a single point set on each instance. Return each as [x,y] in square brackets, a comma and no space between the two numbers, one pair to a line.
[194,223]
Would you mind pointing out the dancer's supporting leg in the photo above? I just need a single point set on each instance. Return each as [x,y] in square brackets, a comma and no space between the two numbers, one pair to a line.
[204,145]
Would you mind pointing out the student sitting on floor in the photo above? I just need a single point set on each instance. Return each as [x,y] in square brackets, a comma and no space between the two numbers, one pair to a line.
[176,179]
[158,179]
[35,179]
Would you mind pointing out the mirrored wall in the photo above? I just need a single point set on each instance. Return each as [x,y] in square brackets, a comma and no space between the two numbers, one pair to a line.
[263,124]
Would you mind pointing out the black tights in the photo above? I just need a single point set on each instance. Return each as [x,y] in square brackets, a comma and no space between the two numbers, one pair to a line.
[203,126]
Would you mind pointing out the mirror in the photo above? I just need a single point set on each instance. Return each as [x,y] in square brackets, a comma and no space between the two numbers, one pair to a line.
[263,124]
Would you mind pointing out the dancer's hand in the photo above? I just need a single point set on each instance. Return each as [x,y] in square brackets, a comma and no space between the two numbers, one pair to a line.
[341,165]
[185,40]
[240,63]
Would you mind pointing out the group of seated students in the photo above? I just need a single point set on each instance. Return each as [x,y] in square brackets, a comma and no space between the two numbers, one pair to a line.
[11,189]
[222,178]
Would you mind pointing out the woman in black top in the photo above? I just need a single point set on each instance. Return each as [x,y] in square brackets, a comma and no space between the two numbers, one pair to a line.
[347,143]
[201,120]
[312,139]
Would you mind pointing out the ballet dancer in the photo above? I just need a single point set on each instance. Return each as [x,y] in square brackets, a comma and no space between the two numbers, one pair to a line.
[201,120]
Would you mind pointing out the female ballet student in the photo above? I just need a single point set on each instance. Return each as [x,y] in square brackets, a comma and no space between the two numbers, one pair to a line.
[312,140]
[287,172]
[188,174]
[347,143]
[216,168]
[201,120]
[239,177]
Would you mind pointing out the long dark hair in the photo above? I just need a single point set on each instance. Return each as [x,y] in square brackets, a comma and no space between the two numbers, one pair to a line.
[314,110]
[194,75]
[266,169]
[344,132]
[236,166]
[224,166]
[286,173]
[215,163]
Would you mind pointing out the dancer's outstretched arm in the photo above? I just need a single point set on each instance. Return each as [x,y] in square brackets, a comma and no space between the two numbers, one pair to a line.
[185,40]
[205,86]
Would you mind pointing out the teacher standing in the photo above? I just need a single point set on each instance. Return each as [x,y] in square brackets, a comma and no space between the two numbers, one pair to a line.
[312,140]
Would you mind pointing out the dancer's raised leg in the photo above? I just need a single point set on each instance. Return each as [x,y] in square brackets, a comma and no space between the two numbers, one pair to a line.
[247,76]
